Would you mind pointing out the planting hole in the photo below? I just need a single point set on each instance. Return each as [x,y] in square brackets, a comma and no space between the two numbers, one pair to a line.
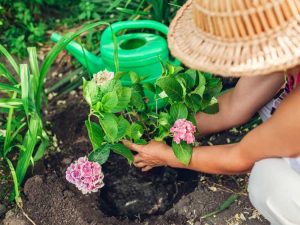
[132,43]
[130,193]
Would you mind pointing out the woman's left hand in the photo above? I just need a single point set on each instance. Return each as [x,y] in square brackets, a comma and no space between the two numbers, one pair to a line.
[154,154]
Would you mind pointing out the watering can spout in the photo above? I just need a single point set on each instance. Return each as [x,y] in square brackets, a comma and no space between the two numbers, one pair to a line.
[90,61]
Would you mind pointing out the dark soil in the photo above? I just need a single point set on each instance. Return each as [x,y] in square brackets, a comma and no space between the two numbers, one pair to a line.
[163,196]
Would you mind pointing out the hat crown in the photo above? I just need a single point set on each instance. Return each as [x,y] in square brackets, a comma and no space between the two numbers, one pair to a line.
[244,19]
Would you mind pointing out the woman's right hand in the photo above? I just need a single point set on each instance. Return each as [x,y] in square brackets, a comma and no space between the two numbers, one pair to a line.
[154,154]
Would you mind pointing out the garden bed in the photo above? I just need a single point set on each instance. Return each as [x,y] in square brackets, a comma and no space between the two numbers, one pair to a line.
[163,196]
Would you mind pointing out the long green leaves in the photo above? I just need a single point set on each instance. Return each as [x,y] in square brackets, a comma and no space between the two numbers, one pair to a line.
[16,183]
[9,58]
[25,86]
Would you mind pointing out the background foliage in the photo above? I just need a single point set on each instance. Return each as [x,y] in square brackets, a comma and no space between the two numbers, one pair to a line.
[25,23]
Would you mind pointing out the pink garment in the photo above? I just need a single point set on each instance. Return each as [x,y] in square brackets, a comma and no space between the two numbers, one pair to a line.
[292,83]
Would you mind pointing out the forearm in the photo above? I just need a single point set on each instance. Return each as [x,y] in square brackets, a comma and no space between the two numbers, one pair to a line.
[212,123]
[218,159]
[238,105]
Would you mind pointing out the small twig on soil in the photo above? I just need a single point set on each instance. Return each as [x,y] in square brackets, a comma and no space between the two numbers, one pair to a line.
[27,217]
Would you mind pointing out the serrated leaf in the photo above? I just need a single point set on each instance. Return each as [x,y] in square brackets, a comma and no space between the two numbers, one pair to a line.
[137,101]
[178,111]
[123,126]
[124,96]
[109,126]
[90,92]
[135,131]
[124,151]
[172,88]
[109,101]
[199,90]
[193,101]
[162,133]
[100,155]
[183,152]
[95,133]
[164,119]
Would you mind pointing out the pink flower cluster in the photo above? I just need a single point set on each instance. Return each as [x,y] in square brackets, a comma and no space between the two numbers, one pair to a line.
[86,175]
[183,130]
[102,77]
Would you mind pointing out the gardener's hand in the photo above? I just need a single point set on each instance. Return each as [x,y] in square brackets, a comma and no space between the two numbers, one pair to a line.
[154,154]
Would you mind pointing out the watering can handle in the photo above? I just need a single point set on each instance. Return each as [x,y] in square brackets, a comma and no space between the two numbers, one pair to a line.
[138,24]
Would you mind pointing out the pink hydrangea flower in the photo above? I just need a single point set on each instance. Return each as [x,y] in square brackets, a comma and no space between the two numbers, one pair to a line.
[183,130]
[87,176]
[102,77]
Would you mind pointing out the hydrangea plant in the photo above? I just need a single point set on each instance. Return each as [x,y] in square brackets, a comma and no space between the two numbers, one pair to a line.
[118,112]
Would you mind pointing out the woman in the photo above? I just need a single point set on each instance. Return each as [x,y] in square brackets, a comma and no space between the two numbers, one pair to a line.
[260,42]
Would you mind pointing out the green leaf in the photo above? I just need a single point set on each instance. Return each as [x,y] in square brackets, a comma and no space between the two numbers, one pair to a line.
[9,58]
[183,152]
[124,151]
[137,101]
[42,147]
[164,119]
[16,193]
[135,131]
[141,142]
[4,72]
[134,77]
[149,87]
[178,111]
[34,67]
[100,155]
[109,101]
[193,101]
[24,74]
[124,96]
[162,133]
[199,90]
[29,142]
[91,92]
[8,87]
[123,126]
[110,126]
[172,88]
[95,133]
[212,108]
[10,103]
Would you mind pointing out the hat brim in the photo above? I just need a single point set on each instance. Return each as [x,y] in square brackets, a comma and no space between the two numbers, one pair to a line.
[278,50]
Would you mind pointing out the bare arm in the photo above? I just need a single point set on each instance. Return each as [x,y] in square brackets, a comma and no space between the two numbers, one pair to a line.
[278,137]
[239,104]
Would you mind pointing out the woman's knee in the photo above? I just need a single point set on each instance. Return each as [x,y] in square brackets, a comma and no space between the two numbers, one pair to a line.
[274,189]
[258,187]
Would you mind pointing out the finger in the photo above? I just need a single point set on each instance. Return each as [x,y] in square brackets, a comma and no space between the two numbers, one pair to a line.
[132,146]
[147,168]
[137,158]
[140,164]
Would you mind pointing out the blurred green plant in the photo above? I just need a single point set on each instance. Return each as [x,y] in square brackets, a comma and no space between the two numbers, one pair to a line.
[23,138]
[159,10]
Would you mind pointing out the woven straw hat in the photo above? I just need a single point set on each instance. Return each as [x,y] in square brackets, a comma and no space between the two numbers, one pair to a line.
[237,37]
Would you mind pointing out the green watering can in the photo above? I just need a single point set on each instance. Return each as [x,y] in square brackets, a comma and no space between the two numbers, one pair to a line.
[142,53]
